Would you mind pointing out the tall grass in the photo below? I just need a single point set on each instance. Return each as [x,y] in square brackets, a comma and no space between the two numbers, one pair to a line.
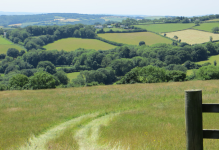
[151,115]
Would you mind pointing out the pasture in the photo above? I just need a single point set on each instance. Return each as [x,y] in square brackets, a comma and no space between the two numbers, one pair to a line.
[138,116]
[207,26]
[5,45]
[212,20]
[72,75]
[135,38]
[210,59]
[167,27]
[71,44]
[193,36]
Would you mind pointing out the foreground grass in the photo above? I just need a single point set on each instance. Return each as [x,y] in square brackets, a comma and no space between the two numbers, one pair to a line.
[71,44]
[135,38]
[207,26]
[151,115]
[166,27]
[193,36]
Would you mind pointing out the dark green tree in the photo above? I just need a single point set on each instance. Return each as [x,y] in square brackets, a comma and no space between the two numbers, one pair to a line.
[13,52]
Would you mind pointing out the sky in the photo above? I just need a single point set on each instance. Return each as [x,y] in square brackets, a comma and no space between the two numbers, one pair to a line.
[121,7]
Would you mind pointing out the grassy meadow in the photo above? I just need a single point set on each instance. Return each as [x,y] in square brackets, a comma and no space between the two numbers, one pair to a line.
[135,38]
[160,28]
[193,36]
[71,44]
[5,45]
[149,116]
[210,59]
[207,26]
[72,75]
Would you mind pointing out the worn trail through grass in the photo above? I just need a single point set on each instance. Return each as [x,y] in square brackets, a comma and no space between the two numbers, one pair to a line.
[39,143]
[87,136]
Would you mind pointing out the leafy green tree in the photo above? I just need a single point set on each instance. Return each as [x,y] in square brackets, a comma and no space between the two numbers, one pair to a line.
[18,81]
[215,29]
[47,66]
[175,75]
[197,23]
[42,80]
[208,72]
[141,43]
[13,52]
[61,75]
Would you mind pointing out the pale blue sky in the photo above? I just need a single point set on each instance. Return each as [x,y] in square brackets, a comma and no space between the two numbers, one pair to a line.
[134,7]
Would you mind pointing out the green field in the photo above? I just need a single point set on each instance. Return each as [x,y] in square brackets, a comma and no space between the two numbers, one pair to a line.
[135,38]
[210,59]
[166,27]
[207,26]
[138,116]
[73,75]
[212,20]
[5,45]
[4,41]
[71,44]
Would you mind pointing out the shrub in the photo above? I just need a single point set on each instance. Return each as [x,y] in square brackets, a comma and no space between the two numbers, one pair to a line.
[18,81]
[42,80]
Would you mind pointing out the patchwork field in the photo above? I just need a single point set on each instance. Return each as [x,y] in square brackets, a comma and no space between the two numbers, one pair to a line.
[5,45]
[72,75]
[193,36]
[135,38]
[207,26]
[71,44]
[166,27]
[135,116]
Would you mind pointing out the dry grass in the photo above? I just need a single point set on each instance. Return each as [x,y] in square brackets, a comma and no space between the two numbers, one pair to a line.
[193,36]
[135,38]
[69,20]
[151,115]
[71,44]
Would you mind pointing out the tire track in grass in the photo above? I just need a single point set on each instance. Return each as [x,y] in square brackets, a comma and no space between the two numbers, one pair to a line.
[39,142]
[88,135]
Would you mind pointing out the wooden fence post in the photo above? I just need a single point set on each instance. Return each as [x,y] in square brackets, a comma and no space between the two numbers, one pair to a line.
[193,113]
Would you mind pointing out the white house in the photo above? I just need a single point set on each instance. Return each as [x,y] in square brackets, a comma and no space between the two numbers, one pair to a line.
[109,26]
[5,33]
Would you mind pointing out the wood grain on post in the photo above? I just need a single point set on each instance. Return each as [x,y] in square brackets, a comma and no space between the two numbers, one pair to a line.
[193,112]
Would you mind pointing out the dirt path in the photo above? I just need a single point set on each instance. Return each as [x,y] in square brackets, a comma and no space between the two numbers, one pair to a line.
[39,143]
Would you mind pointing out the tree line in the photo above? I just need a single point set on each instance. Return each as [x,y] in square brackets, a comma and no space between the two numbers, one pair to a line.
[34,37]
[108,66]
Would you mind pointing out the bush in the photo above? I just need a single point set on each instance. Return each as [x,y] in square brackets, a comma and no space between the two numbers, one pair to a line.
[18,81]
[42,80]
[208,72]
[62,77]
[12,52]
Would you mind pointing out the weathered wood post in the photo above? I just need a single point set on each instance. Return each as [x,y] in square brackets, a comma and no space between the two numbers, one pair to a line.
[193,112]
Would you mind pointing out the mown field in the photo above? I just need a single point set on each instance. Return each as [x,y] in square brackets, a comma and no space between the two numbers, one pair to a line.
[5,45]
[212,20]
[71,44]
[135,38]
[193,36]
[166,27]
[138,116]
[207,26]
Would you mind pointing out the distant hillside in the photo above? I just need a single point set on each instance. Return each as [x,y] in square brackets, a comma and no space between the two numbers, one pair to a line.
[51,18]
